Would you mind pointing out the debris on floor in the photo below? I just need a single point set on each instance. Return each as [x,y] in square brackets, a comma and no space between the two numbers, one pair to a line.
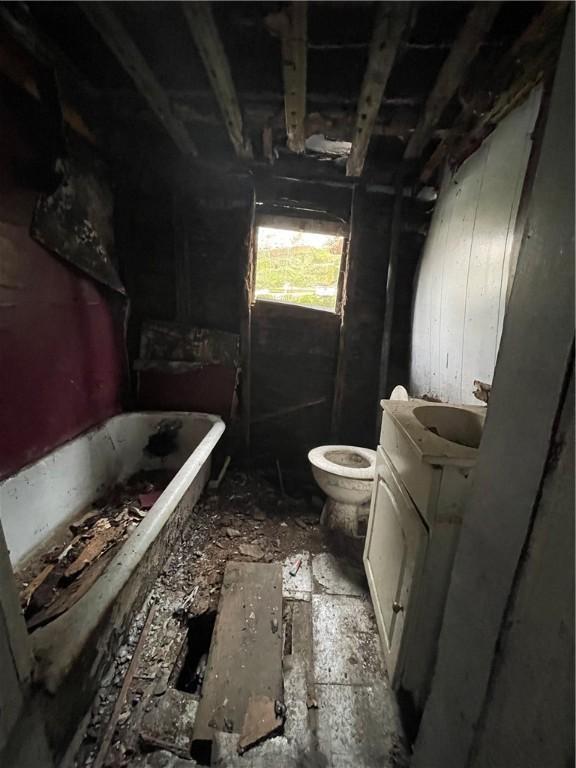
[169,722]
[280,670]
[55,579]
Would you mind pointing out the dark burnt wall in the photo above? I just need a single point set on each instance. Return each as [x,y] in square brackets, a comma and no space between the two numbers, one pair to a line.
[294,350]
[60,346]
[355,410]
[184,256]
[294,359]
[316,375]
[213,240]
[144,239]
[398,365]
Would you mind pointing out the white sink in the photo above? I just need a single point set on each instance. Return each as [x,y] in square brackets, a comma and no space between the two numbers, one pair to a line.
[451,423]
[437,433]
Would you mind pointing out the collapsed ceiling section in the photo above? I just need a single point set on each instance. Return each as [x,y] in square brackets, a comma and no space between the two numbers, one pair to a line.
[324,91]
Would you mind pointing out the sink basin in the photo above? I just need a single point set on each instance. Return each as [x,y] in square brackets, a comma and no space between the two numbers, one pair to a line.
[455,424]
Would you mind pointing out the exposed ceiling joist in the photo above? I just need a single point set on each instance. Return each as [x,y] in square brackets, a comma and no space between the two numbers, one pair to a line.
[209,44]
[125,50]
[292,26]
[519,70]
[452,73]
[391,23]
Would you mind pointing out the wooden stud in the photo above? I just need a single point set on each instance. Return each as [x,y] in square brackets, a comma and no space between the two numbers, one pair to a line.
[451,75]
[385,385]
[209,44]
[391,23]
[246,327]
[116,37]
[268,143]
[292,27]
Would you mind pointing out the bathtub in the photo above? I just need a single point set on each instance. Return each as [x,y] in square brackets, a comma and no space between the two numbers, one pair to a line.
[74,650]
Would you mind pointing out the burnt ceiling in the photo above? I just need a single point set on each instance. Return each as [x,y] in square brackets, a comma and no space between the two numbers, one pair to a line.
[215,82]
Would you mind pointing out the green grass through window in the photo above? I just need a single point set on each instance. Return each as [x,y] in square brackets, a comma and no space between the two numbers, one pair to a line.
[298,267]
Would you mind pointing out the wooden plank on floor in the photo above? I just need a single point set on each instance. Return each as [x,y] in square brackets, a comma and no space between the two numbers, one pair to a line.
[246,651]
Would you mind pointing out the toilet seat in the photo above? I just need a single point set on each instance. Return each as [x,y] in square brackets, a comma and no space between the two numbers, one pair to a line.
[320,458]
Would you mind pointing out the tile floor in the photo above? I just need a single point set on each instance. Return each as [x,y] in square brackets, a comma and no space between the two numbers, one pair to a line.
[357,721]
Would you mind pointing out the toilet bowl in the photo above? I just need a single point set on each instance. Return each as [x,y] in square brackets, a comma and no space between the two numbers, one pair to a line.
[345,473]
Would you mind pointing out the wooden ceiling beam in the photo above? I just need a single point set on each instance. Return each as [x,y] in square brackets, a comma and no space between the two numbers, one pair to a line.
[291,25]
[391,22]
[122,45]
[519,70]
[452,73]
[334,125]
[207,39]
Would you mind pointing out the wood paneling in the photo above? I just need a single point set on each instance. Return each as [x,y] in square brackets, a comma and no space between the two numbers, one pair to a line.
[464,273]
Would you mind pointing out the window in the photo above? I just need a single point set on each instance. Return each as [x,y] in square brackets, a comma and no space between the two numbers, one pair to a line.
[298,267]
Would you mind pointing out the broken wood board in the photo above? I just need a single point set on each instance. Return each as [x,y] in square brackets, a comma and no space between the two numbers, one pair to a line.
[72,593]
[170,722]
[111,727]
[104,536]
[261,720]
[246,651]
[36,582]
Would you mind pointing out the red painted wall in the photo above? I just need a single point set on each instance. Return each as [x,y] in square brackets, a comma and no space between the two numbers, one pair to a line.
[60,348]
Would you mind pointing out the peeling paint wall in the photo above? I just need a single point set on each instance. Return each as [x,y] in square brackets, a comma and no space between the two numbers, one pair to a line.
[60,346]
[463,277]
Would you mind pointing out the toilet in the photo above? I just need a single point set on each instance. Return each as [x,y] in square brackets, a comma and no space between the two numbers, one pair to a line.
[345,473]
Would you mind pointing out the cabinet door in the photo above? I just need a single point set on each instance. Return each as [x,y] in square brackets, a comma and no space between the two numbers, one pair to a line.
[395,544]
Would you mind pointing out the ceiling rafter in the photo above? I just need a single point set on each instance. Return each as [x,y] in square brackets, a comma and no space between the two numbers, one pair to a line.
[118,40]
[391,23]
[209,44]
[519,70]
[291,25]
[452,73]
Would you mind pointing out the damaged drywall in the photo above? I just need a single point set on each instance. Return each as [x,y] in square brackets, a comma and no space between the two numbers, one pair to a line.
[76,219]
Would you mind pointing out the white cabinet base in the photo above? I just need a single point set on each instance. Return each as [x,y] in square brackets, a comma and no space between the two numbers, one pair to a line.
[396,541]
[413,529]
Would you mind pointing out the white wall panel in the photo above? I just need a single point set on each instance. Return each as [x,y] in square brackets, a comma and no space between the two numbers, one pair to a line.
[463,278]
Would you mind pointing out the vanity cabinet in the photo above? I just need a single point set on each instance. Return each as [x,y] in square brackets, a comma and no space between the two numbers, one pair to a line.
[396,544]
[419,494]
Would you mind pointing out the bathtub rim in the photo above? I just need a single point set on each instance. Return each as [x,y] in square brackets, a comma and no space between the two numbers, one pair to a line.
[57,645]
[22,560]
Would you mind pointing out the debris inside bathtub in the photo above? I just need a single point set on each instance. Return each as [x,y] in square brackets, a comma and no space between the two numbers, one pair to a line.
[57,576]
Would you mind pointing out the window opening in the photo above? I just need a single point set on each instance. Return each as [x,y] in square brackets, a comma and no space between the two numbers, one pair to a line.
[294,267]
